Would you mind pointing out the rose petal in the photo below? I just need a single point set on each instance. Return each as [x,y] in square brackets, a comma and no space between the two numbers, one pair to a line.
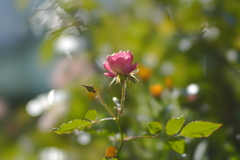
[129,69]
[111,60]
[117,65]
[115,56]
[108,68]
[129,59]
[109,74]
[128,54]
[134,66]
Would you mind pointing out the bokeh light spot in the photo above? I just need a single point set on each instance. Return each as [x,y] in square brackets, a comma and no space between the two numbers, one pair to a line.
[34,108]
[84,138]
[232,55]
[192,89]
[53,153]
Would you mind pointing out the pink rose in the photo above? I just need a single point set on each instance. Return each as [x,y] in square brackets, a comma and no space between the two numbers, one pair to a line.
[119,64]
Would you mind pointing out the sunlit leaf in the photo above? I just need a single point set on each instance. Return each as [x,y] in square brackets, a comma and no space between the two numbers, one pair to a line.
[177,145]
[174,125]
[91,115]
[69,127]
[46,49]
[154,127]
[199,129]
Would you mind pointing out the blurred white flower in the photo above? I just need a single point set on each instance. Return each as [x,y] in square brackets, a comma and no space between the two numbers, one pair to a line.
[232,55]
[184,45]
[51,106]
[167,68]
[53,153]
[211,34]
[69,45]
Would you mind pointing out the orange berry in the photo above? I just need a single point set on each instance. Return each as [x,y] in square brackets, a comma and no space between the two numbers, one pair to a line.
[156,90]
[144,73]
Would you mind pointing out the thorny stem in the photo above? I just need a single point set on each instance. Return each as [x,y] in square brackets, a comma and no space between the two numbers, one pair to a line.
[105,105]
[117,119]
[124,86]
[91,89]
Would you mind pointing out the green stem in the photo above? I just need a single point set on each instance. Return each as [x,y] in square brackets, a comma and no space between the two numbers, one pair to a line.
[91,89]
[105,105]
[121,133]
[124,86]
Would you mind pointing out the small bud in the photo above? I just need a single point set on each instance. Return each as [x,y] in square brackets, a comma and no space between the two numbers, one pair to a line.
[110,152]
[89,88]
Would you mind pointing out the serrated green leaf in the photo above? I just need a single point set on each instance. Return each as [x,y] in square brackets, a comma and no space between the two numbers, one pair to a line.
[69,127]
[154,127]
[199,129]
[91,115]
[174,125]
[177,145]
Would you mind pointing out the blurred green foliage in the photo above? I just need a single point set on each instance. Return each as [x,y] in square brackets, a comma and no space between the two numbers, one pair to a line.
[178,43]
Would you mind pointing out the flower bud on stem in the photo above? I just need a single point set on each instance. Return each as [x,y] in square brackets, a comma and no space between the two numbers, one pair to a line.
[92,90]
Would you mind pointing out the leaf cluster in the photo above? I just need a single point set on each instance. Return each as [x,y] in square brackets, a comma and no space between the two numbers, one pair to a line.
[177,133]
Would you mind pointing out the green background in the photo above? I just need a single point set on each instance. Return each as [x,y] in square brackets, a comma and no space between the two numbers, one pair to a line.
[186,41]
